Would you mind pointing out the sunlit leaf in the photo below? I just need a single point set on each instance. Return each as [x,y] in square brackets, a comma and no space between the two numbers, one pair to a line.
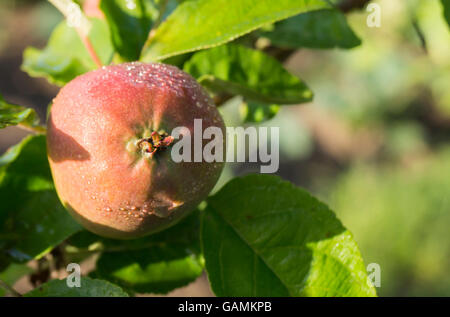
[263,236]
[13,114]
[65,56]
[238,70]
[318,29]
[201,24]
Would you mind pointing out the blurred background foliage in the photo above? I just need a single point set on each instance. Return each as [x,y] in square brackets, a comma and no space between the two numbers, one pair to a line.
[374,143]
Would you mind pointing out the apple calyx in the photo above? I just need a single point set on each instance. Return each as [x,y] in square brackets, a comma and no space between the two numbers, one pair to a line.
[155,143]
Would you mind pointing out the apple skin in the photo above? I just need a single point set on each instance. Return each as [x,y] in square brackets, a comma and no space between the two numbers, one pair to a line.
[107,183]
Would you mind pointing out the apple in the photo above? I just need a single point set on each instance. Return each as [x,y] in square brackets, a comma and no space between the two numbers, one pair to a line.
[109,148]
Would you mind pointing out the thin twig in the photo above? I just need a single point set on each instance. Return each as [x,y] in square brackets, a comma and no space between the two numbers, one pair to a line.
[9,289]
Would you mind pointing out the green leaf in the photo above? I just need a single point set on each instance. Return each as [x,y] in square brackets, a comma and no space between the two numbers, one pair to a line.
[446,7]
[155,270]
[88,288]
[12,115]
[256,113]
[32,220]
[200,24]
[129,25]
[12,274]
[262,236]
[65,57]
[238,70]
[318,29]
[155,264]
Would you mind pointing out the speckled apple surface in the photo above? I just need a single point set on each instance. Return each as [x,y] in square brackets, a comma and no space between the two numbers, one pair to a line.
[107,183]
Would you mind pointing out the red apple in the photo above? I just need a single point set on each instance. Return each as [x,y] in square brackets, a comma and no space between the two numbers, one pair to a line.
[109,148]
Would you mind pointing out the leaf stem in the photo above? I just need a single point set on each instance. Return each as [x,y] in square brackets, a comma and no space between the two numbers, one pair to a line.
[90,48]
[76,19]
[9,289]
